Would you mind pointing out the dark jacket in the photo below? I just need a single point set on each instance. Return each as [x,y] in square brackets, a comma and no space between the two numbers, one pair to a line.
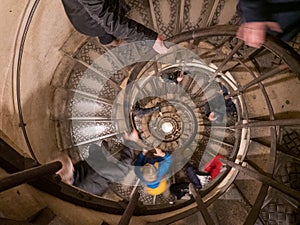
[286,13]
[87,179]
[100,169]
[97,17]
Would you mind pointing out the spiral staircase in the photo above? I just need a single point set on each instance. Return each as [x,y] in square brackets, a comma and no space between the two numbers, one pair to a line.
[93,89]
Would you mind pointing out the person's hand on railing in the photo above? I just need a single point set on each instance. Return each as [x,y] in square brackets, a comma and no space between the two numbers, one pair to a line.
[67,170]
[159,45]
[254,33]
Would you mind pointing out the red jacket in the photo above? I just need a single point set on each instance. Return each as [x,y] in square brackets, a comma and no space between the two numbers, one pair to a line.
[213,167]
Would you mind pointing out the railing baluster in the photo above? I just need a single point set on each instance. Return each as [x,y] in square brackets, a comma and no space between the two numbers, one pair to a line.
[202,207]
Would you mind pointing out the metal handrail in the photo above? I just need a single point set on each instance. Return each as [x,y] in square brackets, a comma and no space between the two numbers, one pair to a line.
[22,124]
[24,176]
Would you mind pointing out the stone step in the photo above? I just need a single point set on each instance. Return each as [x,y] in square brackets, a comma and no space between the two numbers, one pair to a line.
[229,212]
[43,217]
[243,176]
[232,193]
[47,217]
[140,12]
[196,219]
[258,132]
[260,155]
[256,148]
[249,188]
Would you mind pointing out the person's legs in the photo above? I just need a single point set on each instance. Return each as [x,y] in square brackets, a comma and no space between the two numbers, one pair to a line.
[97,156]
[106,165]
[87,179]
[190,172]
[127,155]
[124,7]
[179,189]
[84,23]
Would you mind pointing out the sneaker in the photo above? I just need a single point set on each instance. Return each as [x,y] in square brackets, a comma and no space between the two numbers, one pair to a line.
[204,180]
[190,188]
[186,197]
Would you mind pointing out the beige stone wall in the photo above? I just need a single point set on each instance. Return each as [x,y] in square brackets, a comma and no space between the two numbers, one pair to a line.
[11,17]
[40,58]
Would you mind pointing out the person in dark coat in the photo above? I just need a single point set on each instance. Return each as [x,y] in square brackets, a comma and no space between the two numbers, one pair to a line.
[106,20]
[278,17]
[95,174]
